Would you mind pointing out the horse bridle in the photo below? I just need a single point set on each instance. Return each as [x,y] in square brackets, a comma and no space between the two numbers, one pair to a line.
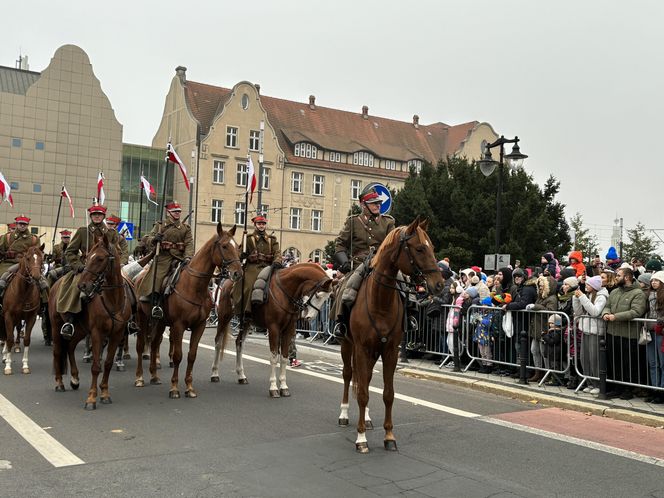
[301,303]
[98,286]
[224,263]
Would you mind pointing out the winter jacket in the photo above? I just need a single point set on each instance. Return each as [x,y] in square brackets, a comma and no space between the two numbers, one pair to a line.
[653,313]
[584,306]
[547,300]
[625,303]
[482,290]
[579,267]
[524,295]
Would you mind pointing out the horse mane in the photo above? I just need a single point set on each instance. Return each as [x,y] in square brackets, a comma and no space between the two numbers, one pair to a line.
[386,245]
[309,265]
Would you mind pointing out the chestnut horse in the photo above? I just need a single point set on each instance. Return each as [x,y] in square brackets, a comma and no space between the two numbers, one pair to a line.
[21,302]
[106,311]
[294,292]
[187,307]
[377,320]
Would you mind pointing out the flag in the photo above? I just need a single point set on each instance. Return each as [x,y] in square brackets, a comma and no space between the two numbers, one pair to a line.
[251,178]
[173,157]
[66,195]
[5,191]
[101,197]
[148,189]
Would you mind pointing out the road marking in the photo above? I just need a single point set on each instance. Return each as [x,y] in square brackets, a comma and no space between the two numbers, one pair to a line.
[56,454]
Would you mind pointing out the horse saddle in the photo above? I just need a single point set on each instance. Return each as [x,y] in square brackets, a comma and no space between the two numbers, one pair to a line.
[259,292]
[353,284]
[172,278]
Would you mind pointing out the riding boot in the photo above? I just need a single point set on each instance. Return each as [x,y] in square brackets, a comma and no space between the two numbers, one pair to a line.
[67,330]
[3,287]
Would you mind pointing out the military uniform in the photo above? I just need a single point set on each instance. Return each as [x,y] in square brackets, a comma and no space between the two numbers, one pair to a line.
[361,232]
[262,250]
[123,248]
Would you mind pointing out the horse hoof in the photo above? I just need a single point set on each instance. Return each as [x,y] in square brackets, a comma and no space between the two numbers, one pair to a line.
[214,378]
[390,445]
[343,421]
[369,425]
[91,406]
[8,371]
[106,401]
[174,394]
[120,368]
[26,370]
[139,383]
[274,393]
[74,385]
[243,381]
[362,447]
[155,381]
[159,365]
[17,349]
[59,388]
[170,364]
[146,356]
[190,394]
[126,356]
[284,393]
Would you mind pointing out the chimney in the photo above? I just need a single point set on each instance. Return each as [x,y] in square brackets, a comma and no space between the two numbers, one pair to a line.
[258,88]
[416,121]
[365,112]
[181,73]
[312,101]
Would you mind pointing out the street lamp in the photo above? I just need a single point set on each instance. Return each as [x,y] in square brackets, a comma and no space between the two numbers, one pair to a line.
[488,165]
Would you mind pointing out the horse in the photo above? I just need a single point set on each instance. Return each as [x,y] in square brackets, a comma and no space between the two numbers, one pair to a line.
[187,307]
[21,303]
[106,311]
[377,319]
[297,291]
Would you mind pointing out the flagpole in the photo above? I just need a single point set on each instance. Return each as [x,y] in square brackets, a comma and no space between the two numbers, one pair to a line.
[57,218]
[140,208]
[244,251]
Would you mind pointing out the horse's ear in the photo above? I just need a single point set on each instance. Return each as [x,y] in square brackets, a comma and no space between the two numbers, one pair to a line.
[220,230]
[410,229]
[41,247]
[328,285]
[424,224]
[231,232]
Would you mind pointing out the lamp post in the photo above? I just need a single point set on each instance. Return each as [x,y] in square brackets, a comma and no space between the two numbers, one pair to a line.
[488,165]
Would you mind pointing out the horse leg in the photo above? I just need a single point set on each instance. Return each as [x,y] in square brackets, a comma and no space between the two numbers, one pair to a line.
[19,335]
[155,343]
[113,341]
[239,366]
[91,402]
[171,351]
[74,382]
[140,346]
[119,361]
[218,344]
[125,346]
[361,383]
[390,358]
[175,338]
[346,356]
[285,344]
[9,346]
[26,343]
[196,335]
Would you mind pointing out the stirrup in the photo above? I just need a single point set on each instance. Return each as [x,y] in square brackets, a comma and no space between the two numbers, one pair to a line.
[412,324]
[67,330]
[157,313]
[339,330]
[132,327]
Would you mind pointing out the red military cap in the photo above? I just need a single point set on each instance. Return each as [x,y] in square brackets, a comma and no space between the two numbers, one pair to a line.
[370,197]
[259,219]
[11,225]
[114,219]
[65,233]
[97,208]
[173,206]
[21,218]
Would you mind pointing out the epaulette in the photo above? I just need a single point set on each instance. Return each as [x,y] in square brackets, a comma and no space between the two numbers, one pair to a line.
[388,216]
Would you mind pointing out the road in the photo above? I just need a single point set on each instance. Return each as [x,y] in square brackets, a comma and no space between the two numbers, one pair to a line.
[234,441]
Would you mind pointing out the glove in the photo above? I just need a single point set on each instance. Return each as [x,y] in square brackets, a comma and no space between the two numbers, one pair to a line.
[277,265]
[530,306]
[79,269]
[187,261]
[159,237]
[345,268]
[243,256]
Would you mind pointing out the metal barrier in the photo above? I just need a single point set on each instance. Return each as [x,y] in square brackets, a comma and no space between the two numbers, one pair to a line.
[320,327]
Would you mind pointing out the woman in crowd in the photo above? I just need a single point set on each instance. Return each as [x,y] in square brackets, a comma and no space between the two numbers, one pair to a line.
[654,351]
[547,300]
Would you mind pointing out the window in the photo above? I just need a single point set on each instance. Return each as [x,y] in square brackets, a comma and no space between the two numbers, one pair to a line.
[36,187]
[355,189]
[296,182]
[266,179]
[254,140]
[363,159]
[319,183]
[389,164]
[241,175]
[231,136]
[316,220]
[217,211]
[304,149]
[239,213]
[295,218]
[416,165]
[34,230]
[335,157]
[13,185]
[218,172]
[316,256]
[16,142]
[39,145]
[245,101]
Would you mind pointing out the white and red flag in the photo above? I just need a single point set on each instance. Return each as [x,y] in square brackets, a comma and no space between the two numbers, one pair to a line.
[5,191]
[251,178]
[101,197]
[173,157]
[66,195]
[149,190]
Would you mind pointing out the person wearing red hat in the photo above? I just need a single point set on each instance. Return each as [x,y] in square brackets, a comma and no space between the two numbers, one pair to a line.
[60,248]
[11,227]
[112,221]
[69,300]
[262,250]
[177,245]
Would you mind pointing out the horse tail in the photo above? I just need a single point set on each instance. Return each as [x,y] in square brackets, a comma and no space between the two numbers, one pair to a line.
[224,339]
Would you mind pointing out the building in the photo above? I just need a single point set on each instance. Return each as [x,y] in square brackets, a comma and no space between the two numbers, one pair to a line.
[57,127]
[316,159]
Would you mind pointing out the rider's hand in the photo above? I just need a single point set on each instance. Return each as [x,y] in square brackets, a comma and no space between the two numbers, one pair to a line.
[345,268]
[277,265]
[187,261]
[159,237]
[79,269]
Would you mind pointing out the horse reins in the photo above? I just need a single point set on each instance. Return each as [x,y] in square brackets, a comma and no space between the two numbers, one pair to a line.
[299,304]
[98,287]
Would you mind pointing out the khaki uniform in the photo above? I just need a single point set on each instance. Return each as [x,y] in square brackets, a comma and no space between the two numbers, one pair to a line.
[13,245]
[123,249]
[262,251]
[58,254]
[69,300]
[177,245]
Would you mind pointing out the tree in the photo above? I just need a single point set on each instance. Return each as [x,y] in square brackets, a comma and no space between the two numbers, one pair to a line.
[328,251]
[640,244]
[583,241]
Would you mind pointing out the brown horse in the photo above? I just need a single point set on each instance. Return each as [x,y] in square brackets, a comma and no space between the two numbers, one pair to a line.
[294,292]
[106,311]
[21,303]
[377,318]
[187,307]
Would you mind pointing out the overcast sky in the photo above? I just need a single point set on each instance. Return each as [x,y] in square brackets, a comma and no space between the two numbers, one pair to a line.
[580,82]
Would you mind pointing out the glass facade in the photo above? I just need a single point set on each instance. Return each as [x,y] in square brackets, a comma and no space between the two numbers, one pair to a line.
[148,161]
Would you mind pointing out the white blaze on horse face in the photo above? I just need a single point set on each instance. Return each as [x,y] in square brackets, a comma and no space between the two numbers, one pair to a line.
[234,243]
[311,311]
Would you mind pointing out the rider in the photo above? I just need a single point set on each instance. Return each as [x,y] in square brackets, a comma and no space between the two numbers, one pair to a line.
[177,245]
[12,246]
[112,222]
[60,248]
[361,233]
[69,301]
[262,250]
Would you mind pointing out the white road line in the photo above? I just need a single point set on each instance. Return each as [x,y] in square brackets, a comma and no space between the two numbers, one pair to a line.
[56,454]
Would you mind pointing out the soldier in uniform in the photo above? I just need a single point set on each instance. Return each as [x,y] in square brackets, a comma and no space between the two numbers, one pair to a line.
[69,301]
[112,222]
[361,233]
[12,246]
[60,248]
[177,245]
[262,250]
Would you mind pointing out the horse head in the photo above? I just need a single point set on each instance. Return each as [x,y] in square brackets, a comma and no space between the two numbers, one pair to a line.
[415,256]
[316,292]
[32,263]
[226,253]
[99,262]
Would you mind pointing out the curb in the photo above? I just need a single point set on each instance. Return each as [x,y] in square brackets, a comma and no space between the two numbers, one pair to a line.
[528,395]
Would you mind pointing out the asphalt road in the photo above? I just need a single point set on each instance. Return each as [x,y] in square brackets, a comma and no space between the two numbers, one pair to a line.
[233,440]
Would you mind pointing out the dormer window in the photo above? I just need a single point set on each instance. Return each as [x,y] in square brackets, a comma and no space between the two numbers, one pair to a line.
[304,149]
[415,165]
[363,159]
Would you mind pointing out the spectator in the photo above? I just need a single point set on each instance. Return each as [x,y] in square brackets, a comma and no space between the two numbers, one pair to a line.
[526,294]
[484,333]
[653,265]
[576,261]
[506,286]
[292,354]
[613,261]
[552,344]
[644,282]
[626,301]
[571,336]
[550,265]
[591,303]
[654,347]
[596,266]
[608,279]
[547,300]
[481,287]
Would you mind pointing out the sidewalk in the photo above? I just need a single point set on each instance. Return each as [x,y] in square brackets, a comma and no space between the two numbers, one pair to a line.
[635,410]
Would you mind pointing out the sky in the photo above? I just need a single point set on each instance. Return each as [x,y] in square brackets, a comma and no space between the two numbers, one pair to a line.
[579,82]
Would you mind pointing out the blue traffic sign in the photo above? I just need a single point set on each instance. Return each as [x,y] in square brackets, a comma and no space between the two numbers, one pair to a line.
[384,195]
[127,229]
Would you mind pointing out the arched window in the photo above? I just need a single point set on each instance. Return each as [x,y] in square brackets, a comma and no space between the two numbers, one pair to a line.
[316,256]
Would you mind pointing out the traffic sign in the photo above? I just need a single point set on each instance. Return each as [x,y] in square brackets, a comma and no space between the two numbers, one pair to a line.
[384,195]
[126,229]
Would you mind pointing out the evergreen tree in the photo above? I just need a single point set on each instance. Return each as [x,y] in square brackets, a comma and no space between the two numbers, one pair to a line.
[584,242]
[640,245]
[328,251]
